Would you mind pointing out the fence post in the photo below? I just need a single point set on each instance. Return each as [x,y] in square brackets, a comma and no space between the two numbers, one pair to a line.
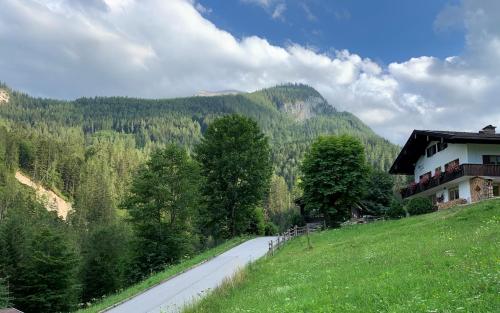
[308,239]
[271,247]
[295,231]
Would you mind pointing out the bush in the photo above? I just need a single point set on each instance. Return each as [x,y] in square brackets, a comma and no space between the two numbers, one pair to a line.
[257,222]
[396,209]
[418,206]
[271,229]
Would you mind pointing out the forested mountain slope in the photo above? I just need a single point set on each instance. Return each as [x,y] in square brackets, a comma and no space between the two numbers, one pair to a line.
[88,150]
[291,115]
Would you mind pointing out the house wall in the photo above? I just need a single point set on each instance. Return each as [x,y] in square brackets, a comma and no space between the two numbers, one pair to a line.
[464,190]
[453,152]
[476,152]
[443,192]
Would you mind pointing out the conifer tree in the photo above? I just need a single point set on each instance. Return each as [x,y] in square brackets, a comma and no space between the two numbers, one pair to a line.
[163,208]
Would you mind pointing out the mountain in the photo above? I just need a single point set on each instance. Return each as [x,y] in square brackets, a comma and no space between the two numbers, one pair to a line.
[291,115]
[205,93]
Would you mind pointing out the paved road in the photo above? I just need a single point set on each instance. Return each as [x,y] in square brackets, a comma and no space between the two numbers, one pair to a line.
[187,287]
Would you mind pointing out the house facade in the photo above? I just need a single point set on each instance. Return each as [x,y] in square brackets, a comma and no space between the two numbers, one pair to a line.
[451,167]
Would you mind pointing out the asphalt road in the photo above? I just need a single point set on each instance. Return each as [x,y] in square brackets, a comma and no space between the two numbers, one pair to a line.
[173,294]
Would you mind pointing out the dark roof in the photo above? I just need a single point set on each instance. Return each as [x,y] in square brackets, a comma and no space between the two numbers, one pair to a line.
[419,139]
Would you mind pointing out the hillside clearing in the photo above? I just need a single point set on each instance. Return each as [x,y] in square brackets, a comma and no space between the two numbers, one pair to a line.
[4,96]
[52,201]
[446,261]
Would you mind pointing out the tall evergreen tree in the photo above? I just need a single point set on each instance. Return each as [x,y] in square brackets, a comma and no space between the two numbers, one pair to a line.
[49,276]
[280,209]
[236,164]
[378,193]
[4,294]
[163,207]
[105,259]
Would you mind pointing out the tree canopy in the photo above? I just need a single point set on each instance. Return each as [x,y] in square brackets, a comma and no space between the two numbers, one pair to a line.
[334,172]
[236,164]
[162,207]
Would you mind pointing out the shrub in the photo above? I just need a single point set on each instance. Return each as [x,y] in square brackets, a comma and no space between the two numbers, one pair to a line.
[257,222]
[418,206]
[271,229]
[396,209]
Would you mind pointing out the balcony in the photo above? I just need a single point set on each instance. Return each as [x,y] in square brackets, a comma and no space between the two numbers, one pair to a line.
[460,171]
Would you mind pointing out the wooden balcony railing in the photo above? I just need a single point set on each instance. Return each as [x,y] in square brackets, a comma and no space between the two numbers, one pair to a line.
[460,171]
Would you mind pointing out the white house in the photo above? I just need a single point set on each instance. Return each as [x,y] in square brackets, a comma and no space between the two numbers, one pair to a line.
[451,166]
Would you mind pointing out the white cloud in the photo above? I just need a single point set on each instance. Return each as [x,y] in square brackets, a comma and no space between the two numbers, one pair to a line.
[262,3]
[275,8]
[450,18]
[156,48]
[278,11]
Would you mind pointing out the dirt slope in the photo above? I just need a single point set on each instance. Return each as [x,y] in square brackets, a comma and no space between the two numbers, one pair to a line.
[4,96]
[51,200]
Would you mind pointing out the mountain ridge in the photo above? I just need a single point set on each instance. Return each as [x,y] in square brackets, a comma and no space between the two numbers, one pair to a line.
[291,115]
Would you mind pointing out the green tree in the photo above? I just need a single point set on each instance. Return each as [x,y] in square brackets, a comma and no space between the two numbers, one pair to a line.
[419,205]
[49,275]
[4,294]
[280,209]
[334,173]
[236,164]
[163,207]
[105,259]
[378,192]
[95,199]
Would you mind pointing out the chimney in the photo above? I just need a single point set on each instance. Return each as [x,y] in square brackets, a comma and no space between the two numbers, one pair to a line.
[488,130]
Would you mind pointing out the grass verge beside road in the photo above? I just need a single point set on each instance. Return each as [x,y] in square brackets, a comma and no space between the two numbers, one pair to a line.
[448,261]
[161,276]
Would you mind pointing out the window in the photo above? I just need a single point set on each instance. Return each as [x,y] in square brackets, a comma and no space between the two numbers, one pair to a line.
[431,151]
[491,159]
[496,190]
[441,146]
[453,194]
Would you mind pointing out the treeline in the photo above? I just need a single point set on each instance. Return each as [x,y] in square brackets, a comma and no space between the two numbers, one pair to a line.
[117,160]
[183,121]
[133,215]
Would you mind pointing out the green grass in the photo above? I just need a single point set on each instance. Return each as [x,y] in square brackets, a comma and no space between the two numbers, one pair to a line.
[161,276]
[448,261]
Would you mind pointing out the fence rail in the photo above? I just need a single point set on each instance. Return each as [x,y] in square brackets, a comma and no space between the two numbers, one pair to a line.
[292,233]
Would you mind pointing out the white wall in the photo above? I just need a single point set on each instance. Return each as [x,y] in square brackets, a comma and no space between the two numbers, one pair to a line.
[476,152]
[453,152]
[464,190]
[443,192]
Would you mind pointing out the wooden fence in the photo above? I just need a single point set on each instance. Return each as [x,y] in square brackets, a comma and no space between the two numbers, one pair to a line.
[292,233]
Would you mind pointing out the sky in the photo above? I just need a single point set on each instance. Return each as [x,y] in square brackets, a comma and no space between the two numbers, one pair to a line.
[397,65]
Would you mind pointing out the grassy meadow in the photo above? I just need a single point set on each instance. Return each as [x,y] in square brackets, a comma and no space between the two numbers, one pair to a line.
[448,261]
[157,278]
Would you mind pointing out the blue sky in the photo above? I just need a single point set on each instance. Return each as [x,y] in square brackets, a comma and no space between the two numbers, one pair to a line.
[397,65]
[383,30]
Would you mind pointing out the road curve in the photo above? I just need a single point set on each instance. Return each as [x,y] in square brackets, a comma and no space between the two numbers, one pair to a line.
[172,295]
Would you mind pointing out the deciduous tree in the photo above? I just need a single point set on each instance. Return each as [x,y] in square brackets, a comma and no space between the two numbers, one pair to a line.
[334,174]
[236,164]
